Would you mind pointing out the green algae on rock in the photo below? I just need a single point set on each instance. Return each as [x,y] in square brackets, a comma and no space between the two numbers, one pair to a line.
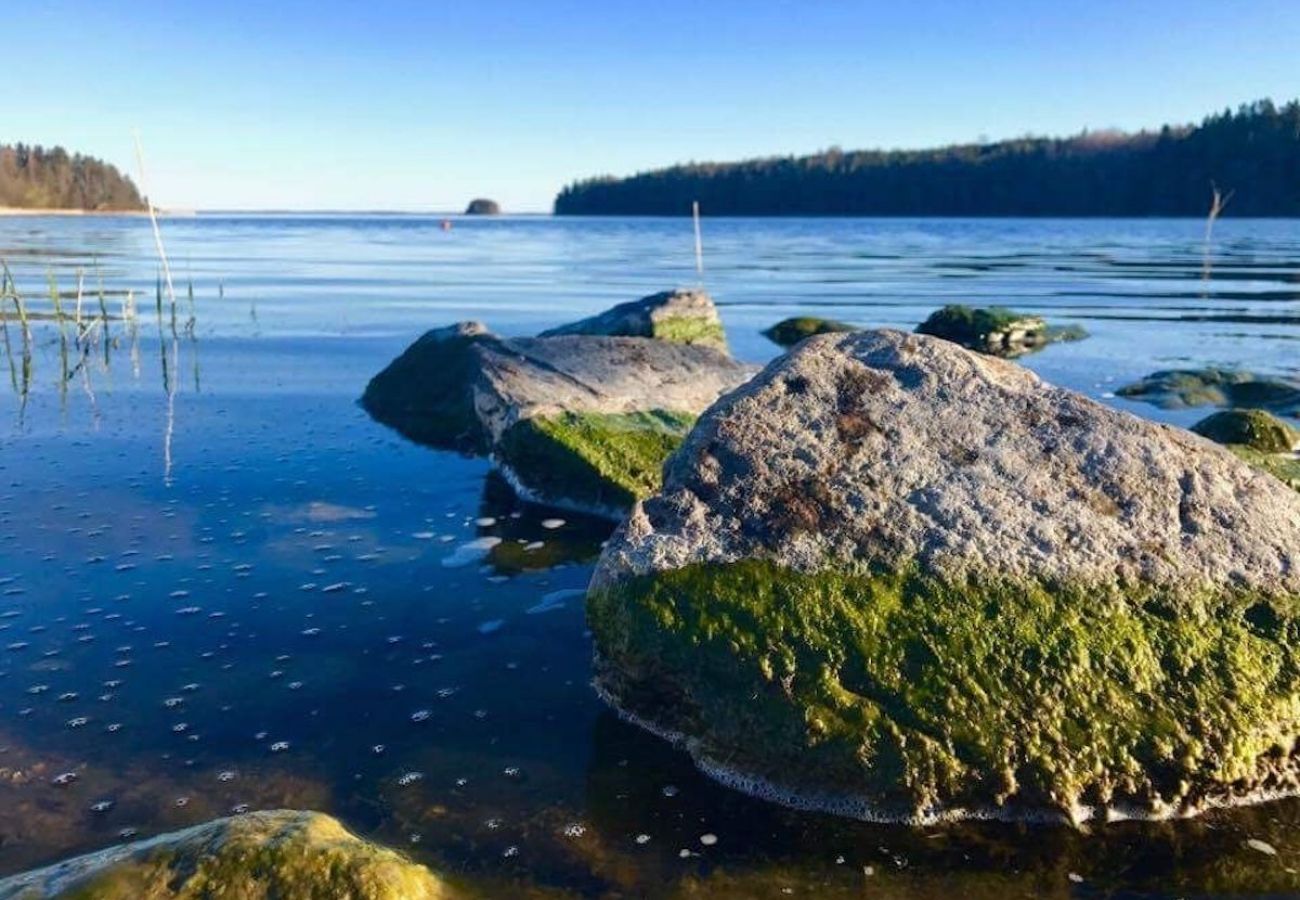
[596,460]
[256,856]
[789,332]
[1183,388]
[995,330]
[679,316]
[572,404]
[894,579]
[1254,428]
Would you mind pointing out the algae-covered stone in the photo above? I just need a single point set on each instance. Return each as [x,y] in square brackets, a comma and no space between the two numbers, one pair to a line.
[681,316]
[259,856]
[789,332]
[895,579]
[1253,428]
[576,420]
[995,330]
[1182,388]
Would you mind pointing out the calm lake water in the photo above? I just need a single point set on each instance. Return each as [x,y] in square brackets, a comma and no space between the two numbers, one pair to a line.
[222,585]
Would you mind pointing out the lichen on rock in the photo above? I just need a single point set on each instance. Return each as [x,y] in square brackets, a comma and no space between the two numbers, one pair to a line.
[679,316]
[891,578]
[257,856]
[789,332]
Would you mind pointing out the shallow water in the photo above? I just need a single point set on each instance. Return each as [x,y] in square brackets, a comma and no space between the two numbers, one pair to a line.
[222,584]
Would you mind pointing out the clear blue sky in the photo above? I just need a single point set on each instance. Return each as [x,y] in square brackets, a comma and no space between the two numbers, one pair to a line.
[422,105]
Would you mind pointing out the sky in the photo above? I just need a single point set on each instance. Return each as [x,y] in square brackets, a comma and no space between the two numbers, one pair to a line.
[422,105]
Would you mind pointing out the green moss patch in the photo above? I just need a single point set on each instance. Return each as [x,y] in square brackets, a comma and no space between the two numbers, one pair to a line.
[919,694]
[1283,466]
[594,460]
[1253,428]
[689,330]
[789,332]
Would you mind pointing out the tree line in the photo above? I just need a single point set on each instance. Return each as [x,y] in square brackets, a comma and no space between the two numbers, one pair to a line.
[1254,152]
[34,177]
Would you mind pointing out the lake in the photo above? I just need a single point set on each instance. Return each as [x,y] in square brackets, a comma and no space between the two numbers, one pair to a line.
[222,586]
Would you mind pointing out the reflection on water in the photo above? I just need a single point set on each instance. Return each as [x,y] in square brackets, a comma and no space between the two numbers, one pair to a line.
[224,586]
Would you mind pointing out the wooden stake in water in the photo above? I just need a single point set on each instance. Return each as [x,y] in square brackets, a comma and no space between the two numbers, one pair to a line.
[153,220]
[699,245]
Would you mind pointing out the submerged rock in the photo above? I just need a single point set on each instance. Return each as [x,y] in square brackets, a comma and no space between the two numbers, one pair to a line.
[1182,388]
[680,316]
[1253,428]
[1258,437]
[995,330]
[481,206]
[577,420]
[789,332]
[893,579]
[257,856]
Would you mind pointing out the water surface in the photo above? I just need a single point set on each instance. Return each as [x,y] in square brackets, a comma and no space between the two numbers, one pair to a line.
[223,586]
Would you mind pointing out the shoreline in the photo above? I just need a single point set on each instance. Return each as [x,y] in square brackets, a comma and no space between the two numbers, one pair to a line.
[22,211]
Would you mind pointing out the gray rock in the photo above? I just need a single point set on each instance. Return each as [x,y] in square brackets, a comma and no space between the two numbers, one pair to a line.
[680,316]
[1182,388]
[579,421]
[258,856]
[895,579]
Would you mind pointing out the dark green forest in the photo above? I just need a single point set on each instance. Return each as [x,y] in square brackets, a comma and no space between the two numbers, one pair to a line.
[33,177]
[1253,152]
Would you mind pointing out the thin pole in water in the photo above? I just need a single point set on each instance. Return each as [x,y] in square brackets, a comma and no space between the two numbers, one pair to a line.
[153,220]
[699,246]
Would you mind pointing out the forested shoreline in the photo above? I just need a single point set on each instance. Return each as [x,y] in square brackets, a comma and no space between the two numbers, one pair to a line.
[1252,155]
[35,177]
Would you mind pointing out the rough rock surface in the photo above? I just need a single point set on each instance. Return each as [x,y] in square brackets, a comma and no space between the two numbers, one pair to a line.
[681,316]
[577,420]
[892,578]
[1182,388]
[789,332]
[258,856]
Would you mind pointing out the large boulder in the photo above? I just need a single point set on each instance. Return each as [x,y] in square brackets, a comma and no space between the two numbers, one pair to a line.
[680,316]
[894,579]
[581,421]
[257,856]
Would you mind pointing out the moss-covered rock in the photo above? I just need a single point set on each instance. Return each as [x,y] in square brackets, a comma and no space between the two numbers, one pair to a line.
[593,460]
[1253,428]
[564,411]
[890,578]
[259,856]
[1183,388]
[679,316]
[789,332]
[996,330]
[1283,466]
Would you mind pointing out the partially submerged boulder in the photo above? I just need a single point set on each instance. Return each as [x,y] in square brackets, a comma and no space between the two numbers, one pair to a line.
[679,316]
[1183,388]
[893,579]
[582,421]
[789,332]
[1258,437]
[257,856]
[995,330]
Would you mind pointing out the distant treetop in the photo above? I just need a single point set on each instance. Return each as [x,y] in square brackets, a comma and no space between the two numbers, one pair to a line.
[33,177]
[1254,152]
[481,206]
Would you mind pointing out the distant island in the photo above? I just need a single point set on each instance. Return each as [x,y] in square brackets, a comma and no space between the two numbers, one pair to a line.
[1254,153]
[481,206]
[40,178]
